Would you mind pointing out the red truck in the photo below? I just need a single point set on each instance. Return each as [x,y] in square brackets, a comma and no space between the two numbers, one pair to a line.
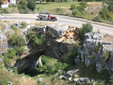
[46,17]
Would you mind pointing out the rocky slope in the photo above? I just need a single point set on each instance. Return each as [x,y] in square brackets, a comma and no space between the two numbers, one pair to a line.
[96,52]
[58,43]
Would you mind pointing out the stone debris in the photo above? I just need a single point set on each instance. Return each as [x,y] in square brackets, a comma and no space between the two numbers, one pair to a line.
[40,79]
[10,83]
[62,77]
[72,72]
[70,78]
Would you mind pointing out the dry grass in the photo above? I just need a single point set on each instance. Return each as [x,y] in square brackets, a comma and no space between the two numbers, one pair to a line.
[94,7]
[108,38]
[21,80]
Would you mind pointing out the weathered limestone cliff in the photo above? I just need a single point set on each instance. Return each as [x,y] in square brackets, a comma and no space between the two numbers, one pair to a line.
[96,52]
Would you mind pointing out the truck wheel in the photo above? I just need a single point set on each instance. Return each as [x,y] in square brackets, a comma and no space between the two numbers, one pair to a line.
[53,20]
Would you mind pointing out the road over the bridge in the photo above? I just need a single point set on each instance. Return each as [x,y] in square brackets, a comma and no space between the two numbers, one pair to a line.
[62,20]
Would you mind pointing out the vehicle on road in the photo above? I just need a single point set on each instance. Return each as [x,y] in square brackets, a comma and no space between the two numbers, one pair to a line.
[46,17]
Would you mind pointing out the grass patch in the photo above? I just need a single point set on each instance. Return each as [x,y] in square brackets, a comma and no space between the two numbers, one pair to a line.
[92,73]
[52,6]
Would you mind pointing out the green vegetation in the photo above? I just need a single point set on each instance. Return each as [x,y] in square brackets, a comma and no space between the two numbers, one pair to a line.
[78,11]
[12,54]
[92,73]
[106,55]
[52,7]
[97,18]
[1,66]
[4,10]
[85,29]
[16,40]
[22,7]
[105,13]
[14,28]
[34,40]
[24,24]
[59,11]
[49,68]
[73,53]
[4,82]
[31,4]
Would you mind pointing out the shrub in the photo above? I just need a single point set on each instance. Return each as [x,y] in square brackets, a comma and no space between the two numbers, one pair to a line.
[59,11]
[34,40]
[85,29]
[31,4]
[80,9]
[4,10]
[83,4]
[60,66]
[97,18]
[73,6]
[76,12]
[1,66]
[49,68]
[17,40]
[105,13]
[72,56]
[110,7]
[22,6]
[7,62]
[24,24]
[15,70]
[14,28]
[106,55]
[11,53]
[20,50]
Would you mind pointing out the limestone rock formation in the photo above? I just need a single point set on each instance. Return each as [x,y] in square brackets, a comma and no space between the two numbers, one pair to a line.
[52,46]
[95,51]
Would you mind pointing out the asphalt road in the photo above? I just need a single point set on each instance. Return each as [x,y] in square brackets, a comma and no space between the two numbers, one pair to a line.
[62,20]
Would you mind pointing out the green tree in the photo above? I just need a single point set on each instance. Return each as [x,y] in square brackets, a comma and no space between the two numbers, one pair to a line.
[31,4]
[85,29]
[22,6]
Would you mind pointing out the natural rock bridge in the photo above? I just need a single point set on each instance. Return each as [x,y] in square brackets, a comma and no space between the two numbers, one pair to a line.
[56,46]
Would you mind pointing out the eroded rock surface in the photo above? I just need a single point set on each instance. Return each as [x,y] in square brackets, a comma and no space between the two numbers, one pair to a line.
[52,47]
[95,51]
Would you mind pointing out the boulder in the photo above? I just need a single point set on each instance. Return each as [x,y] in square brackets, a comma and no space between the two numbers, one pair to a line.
[40,79]
[62,77]
[70,78]
[76,79]
[72,72]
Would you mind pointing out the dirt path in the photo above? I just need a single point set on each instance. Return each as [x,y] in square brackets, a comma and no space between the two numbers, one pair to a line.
[27,81]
